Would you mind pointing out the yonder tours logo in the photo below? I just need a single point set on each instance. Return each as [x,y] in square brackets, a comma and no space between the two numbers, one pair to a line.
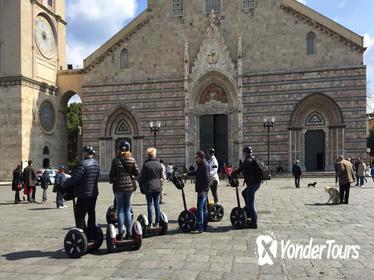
[268,246]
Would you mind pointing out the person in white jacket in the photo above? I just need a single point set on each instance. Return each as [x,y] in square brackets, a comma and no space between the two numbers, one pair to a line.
[214,178]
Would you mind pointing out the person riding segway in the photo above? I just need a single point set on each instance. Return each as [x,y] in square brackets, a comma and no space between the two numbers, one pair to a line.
[83,185]
[254,174]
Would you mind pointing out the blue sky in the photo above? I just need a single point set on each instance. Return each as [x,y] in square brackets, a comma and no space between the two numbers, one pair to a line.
[92,22]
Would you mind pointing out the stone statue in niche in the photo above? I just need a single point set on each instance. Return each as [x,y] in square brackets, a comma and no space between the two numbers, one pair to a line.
[212,56]
[212,19]
[213,93]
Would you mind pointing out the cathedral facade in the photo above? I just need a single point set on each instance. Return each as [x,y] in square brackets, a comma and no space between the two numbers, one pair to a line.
[211,71]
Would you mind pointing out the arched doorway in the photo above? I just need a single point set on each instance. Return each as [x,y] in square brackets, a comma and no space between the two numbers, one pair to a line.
[213,118]
[120,125]
[316,133]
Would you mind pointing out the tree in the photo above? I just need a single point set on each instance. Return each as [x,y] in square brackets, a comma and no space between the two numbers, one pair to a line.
[74,122]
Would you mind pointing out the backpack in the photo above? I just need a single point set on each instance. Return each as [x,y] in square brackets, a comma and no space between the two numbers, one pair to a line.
[262,171]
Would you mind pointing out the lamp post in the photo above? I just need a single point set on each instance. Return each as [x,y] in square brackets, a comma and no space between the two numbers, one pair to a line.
[155,127]
[269,123]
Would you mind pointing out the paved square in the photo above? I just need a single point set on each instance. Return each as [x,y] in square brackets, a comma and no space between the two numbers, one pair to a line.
[32,238]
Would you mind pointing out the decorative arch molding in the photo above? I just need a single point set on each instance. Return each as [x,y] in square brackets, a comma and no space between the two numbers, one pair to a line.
[115,117]
[320,103]
[316,112]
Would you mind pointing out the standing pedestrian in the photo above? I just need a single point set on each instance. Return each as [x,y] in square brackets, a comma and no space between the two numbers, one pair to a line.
[163,178]
[355,169]
[17,183]
[296,172]
[29,179]
[57,188]
[250,170]
[150,178]
[346,177]
[84,182]
[213,174]
[361,172]
[202,177]
[45,180]
[227,169]
[169,171]
[122,175]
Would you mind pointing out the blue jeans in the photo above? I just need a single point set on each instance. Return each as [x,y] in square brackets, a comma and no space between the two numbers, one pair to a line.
[250,202]
[59,199]
[153,198]
[123,203]
[202,212]
[361,180]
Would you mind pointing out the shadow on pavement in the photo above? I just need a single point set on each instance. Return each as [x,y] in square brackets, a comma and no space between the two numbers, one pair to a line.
[35,254]
[319,204]
[37,209]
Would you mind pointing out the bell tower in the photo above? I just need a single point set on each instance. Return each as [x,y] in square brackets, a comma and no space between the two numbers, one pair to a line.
[32,51]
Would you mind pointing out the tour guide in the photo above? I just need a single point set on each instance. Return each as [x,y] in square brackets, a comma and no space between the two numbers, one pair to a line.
[84,182]
[202,189]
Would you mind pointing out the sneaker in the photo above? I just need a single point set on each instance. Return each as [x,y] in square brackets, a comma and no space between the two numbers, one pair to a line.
[196,231]
[155,225]
[64,206]
[60,207]
[128,236]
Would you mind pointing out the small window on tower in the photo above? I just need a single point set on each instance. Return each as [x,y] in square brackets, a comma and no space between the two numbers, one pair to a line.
[248,5]
[124,59]
[50,3]
[311,43]
[215,5]
[177,8]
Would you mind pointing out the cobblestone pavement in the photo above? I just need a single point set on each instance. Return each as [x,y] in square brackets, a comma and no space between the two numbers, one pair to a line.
[32,238]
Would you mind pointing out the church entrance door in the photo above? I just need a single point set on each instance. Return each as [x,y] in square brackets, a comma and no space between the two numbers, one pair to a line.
[315,150]
[214,134]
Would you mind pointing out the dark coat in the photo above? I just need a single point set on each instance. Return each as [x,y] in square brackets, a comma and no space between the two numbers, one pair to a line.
[29,177]
[296,170]
[17,179]
[202,175]
[150,176]
[84,179]
[250,171]
[45,180]
[122,174]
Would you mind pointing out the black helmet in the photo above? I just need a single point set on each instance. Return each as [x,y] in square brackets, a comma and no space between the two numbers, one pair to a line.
[212,151]
[247,149]
[234,182]
[89,150]
[124,146]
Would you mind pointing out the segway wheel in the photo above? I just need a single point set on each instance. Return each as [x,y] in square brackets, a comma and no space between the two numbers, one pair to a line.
[111,215]
[75,243]
[187,221]
[143,221]
[163,223]
[99,238]
[109,240]
[238,218]
[137,235]
[216,212]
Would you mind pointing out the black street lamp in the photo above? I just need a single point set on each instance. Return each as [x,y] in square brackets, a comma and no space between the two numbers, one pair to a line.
[269,123]
[155,127]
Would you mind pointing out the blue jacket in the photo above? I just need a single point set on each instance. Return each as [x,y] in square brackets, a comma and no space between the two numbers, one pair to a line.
[85,179]
[202,177]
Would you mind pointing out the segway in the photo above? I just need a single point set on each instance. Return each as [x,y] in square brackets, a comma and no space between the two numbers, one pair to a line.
[161,229]
[238,215]
[187,219]
[76,243]
[111,214]
[215,211]
[114,244]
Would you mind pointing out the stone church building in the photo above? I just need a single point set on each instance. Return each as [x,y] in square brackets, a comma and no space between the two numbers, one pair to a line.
[209,71]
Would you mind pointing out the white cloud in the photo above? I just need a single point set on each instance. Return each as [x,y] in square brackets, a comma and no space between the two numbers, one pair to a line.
[302,1]
[369,61]
[92,22]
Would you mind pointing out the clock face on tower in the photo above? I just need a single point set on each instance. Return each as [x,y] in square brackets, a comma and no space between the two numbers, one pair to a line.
[47,116]
[45,37]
